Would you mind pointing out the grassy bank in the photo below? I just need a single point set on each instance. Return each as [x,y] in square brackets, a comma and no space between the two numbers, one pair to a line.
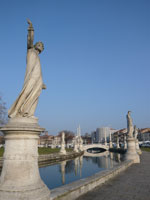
[1,151]
[44,150]
[41,150]
[145,149]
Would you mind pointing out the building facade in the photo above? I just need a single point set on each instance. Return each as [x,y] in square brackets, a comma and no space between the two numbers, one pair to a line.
[100,135]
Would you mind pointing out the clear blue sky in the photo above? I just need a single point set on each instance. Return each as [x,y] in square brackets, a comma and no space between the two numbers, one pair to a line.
[96,61]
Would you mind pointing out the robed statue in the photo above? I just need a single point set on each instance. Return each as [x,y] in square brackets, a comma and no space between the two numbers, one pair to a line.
[129,125]
[26,103]
[135,133]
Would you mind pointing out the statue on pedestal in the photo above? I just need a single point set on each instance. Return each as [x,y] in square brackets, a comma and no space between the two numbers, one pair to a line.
[129,125]
[26,103]
[131,142]
[20,178]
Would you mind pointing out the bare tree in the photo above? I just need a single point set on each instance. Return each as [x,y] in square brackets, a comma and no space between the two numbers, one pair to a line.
[68,135]
[3,112]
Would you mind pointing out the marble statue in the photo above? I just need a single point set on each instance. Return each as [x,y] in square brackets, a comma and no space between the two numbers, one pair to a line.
[131,153]
[63,150]
[63,137]
[135,133]
[26,103]
[20,177]
[129,125]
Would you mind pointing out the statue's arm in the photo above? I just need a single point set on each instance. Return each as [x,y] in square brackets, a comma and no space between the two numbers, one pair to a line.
[30,36]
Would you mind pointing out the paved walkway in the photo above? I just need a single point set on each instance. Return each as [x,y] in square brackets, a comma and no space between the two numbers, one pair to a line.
[132,184]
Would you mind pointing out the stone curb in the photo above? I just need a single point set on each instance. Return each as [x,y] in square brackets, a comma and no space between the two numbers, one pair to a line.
[49,159]
[78,188]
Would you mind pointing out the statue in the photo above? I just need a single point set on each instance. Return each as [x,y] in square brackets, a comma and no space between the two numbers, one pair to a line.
[26,103]
[135,133]
[63,137]
[129,125]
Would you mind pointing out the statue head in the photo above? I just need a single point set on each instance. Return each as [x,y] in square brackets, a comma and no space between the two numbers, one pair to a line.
[39,46]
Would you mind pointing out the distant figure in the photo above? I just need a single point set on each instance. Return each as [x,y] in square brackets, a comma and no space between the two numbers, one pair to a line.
[129,125]
[26,103]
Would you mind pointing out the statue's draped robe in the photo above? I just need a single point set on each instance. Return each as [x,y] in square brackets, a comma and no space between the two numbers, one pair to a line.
[26,103]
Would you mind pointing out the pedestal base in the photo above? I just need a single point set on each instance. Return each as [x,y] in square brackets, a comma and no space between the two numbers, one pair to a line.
[20,178]
[137,147]
[63,150]
[131,151]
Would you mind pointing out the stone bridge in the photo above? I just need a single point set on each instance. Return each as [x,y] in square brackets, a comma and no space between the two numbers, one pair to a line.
[91,146]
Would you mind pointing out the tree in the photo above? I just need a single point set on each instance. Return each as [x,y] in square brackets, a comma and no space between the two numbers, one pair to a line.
[3,112]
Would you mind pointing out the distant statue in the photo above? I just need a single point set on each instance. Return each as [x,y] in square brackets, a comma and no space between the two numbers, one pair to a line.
[135,133]
[63,137]
[26,103]
[129,125]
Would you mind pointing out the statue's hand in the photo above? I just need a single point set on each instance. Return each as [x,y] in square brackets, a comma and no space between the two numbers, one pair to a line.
[43,86]
[30,23]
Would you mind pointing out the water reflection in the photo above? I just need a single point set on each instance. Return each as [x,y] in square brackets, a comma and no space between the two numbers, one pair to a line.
[81,167]
[63,165]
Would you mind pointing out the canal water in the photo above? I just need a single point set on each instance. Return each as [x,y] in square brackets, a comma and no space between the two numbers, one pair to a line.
[81,167]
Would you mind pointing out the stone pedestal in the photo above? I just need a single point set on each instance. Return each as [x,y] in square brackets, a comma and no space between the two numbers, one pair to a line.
[63,150]
[118,146]
[76,148]
[20,178]
[110,145]
[137,147]
[125,145]
[80,147]
[80,144]
[131,151]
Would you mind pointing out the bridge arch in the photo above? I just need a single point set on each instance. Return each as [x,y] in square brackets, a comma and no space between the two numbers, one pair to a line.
[92,146]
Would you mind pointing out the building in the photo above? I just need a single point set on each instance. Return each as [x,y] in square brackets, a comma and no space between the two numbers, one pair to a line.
[144,134]
[49,141]
[101,134]
[45,140]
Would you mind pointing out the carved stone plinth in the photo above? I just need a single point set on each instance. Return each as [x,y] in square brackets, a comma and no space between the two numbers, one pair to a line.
[137,147]
[110,144]
[118,146]
[75,147]
[125,145]
[80,147]
[131,151]
[63,150]
[20,178]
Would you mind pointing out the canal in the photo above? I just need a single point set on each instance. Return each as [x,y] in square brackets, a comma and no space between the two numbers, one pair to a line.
[81,167]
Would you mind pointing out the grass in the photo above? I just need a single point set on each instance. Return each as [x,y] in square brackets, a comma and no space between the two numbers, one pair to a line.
[45,150]
[145,149]
[1,151]
[41,150]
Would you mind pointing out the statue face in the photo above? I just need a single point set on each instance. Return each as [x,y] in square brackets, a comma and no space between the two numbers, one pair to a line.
[39,46]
